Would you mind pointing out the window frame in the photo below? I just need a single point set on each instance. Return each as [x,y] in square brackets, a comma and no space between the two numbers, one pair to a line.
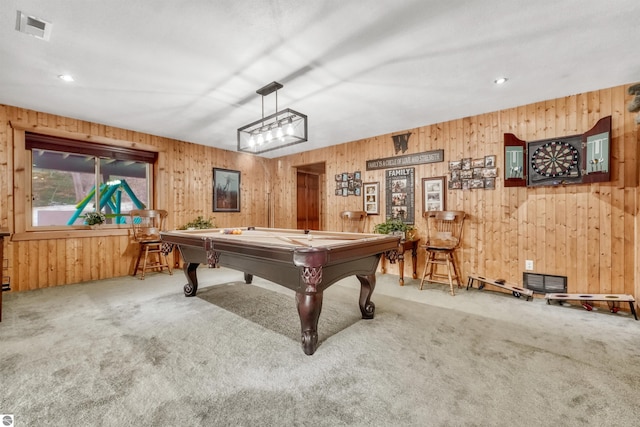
[21,219]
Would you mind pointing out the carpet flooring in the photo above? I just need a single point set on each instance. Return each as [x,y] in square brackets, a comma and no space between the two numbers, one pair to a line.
[138,353]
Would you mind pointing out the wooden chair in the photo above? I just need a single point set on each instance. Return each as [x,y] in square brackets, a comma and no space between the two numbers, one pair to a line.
[353,221]
[146,225]
[444,234]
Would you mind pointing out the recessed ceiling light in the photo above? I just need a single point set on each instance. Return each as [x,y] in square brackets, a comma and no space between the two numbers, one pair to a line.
[66,77]
[500,80]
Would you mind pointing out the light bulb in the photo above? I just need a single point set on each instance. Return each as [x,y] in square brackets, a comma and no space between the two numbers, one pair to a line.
[279,133]
[252,141]
[66,77]
[260,139]
[290,130]
[269,136]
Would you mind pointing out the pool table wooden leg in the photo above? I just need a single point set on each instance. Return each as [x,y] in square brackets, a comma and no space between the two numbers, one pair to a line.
[309,307]
[367,285]
[191,287]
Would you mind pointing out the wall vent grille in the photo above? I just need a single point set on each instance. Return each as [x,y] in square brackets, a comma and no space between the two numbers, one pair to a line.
[544,283]
[33,26]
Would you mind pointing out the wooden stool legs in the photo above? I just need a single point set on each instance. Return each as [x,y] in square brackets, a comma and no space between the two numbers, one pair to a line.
[147,249]
[447,259]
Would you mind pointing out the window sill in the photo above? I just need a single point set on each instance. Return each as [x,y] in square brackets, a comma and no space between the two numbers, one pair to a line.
[70,234]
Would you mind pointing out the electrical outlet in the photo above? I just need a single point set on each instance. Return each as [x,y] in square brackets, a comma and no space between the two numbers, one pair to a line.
[528,265]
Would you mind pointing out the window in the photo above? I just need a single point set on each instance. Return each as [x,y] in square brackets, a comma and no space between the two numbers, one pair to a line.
[70,178]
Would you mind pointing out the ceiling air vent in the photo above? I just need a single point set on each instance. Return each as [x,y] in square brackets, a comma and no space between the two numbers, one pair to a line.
[33,26]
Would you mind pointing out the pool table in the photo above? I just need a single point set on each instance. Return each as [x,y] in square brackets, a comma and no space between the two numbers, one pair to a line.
[305,261]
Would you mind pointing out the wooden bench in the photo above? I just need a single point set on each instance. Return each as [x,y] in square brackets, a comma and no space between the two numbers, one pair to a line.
[516,291]
[611,299]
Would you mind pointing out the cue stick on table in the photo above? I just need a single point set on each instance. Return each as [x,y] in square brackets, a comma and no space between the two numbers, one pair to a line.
[310,236]
[288,240]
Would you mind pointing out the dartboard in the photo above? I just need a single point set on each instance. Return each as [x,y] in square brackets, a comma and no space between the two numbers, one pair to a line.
[555,158]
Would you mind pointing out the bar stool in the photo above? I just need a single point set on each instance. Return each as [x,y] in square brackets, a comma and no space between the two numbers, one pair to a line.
[146,225]
[444,231]
[353,221]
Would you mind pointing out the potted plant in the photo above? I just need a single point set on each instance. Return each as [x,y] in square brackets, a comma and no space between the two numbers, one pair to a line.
[395,226]
[199,224]
[94,219]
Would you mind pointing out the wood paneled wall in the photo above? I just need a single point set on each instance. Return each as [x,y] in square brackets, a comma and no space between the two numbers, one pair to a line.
[184,187]
[585,232]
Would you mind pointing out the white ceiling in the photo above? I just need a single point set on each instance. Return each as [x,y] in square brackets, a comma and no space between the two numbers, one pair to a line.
[189,69]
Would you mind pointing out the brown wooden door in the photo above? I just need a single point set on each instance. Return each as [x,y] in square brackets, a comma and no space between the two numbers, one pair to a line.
[308,201]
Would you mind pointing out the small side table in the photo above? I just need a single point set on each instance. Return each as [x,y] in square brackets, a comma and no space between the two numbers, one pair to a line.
[398,254]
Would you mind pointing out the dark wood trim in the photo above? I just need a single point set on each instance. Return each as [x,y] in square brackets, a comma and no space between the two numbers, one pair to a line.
[61,144]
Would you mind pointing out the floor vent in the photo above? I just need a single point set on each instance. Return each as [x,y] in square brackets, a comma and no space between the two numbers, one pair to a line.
[33,26]
[544,283]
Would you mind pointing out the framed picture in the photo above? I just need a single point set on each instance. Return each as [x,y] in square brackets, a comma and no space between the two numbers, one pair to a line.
[480,173]
[348,184]
[490,183]
[478,163]
[400,198]
[466,174]
[490,172]
[433,194]
[226,190]
[371,200]
[476,183]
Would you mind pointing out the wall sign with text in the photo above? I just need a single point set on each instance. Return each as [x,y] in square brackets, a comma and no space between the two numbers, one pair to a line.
[434,156]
